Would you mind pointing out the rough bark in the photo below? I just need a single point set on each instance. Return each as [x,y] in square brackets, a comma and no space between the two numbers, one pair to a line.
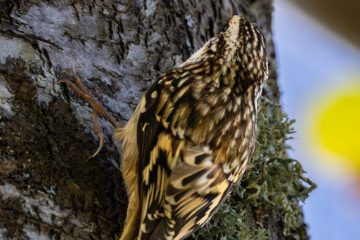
[49,189]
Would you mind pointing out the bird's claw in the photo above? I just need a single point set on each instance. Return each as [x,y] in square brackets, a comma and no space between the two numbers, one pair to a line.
[75,83]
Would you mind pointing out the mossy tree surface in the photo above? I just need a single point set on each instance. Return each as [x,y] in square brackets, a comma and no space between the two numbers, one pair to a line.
[48,186]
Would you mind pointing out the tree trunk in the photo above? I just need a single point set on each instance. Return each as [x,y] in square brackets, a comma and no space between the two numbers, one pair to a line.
[49,188]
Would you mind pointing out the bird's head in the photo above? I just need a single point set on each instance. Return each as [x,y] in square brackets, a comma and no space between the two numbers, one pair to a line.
[243,44]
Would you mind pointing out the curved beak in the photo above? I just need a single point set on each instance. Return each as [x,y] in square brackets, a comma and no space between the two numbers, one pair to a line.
[234,7]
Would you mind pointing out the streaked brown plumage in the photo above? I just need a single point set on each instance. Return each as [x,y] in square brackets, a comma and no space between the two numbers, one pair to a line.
[191,136]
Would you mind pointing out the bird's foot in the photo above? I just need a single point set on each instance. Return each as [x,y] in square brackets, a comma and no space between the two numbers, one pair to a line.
[75,83]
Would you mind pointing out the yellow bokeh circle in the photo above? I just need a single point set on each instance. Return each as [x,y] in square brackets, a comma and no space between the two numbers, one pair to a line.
[336,125]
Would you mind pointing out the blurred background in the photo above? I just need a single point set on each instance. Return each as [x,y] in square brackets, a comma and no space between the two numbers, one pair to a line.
[318,47]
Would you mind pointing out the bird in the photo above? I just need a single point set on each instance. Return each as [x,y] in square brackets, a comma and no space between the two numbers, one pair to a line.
[192,134]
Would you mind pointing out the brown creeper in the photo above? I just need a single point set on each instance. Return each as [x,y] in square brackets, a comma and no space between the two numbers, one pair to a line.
[191,136]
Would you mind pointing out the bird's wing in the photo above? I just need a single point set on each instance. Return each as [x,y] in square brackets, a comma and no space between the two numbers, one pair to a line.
[196,188]
[178,201]
[155,147]
[180,185]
